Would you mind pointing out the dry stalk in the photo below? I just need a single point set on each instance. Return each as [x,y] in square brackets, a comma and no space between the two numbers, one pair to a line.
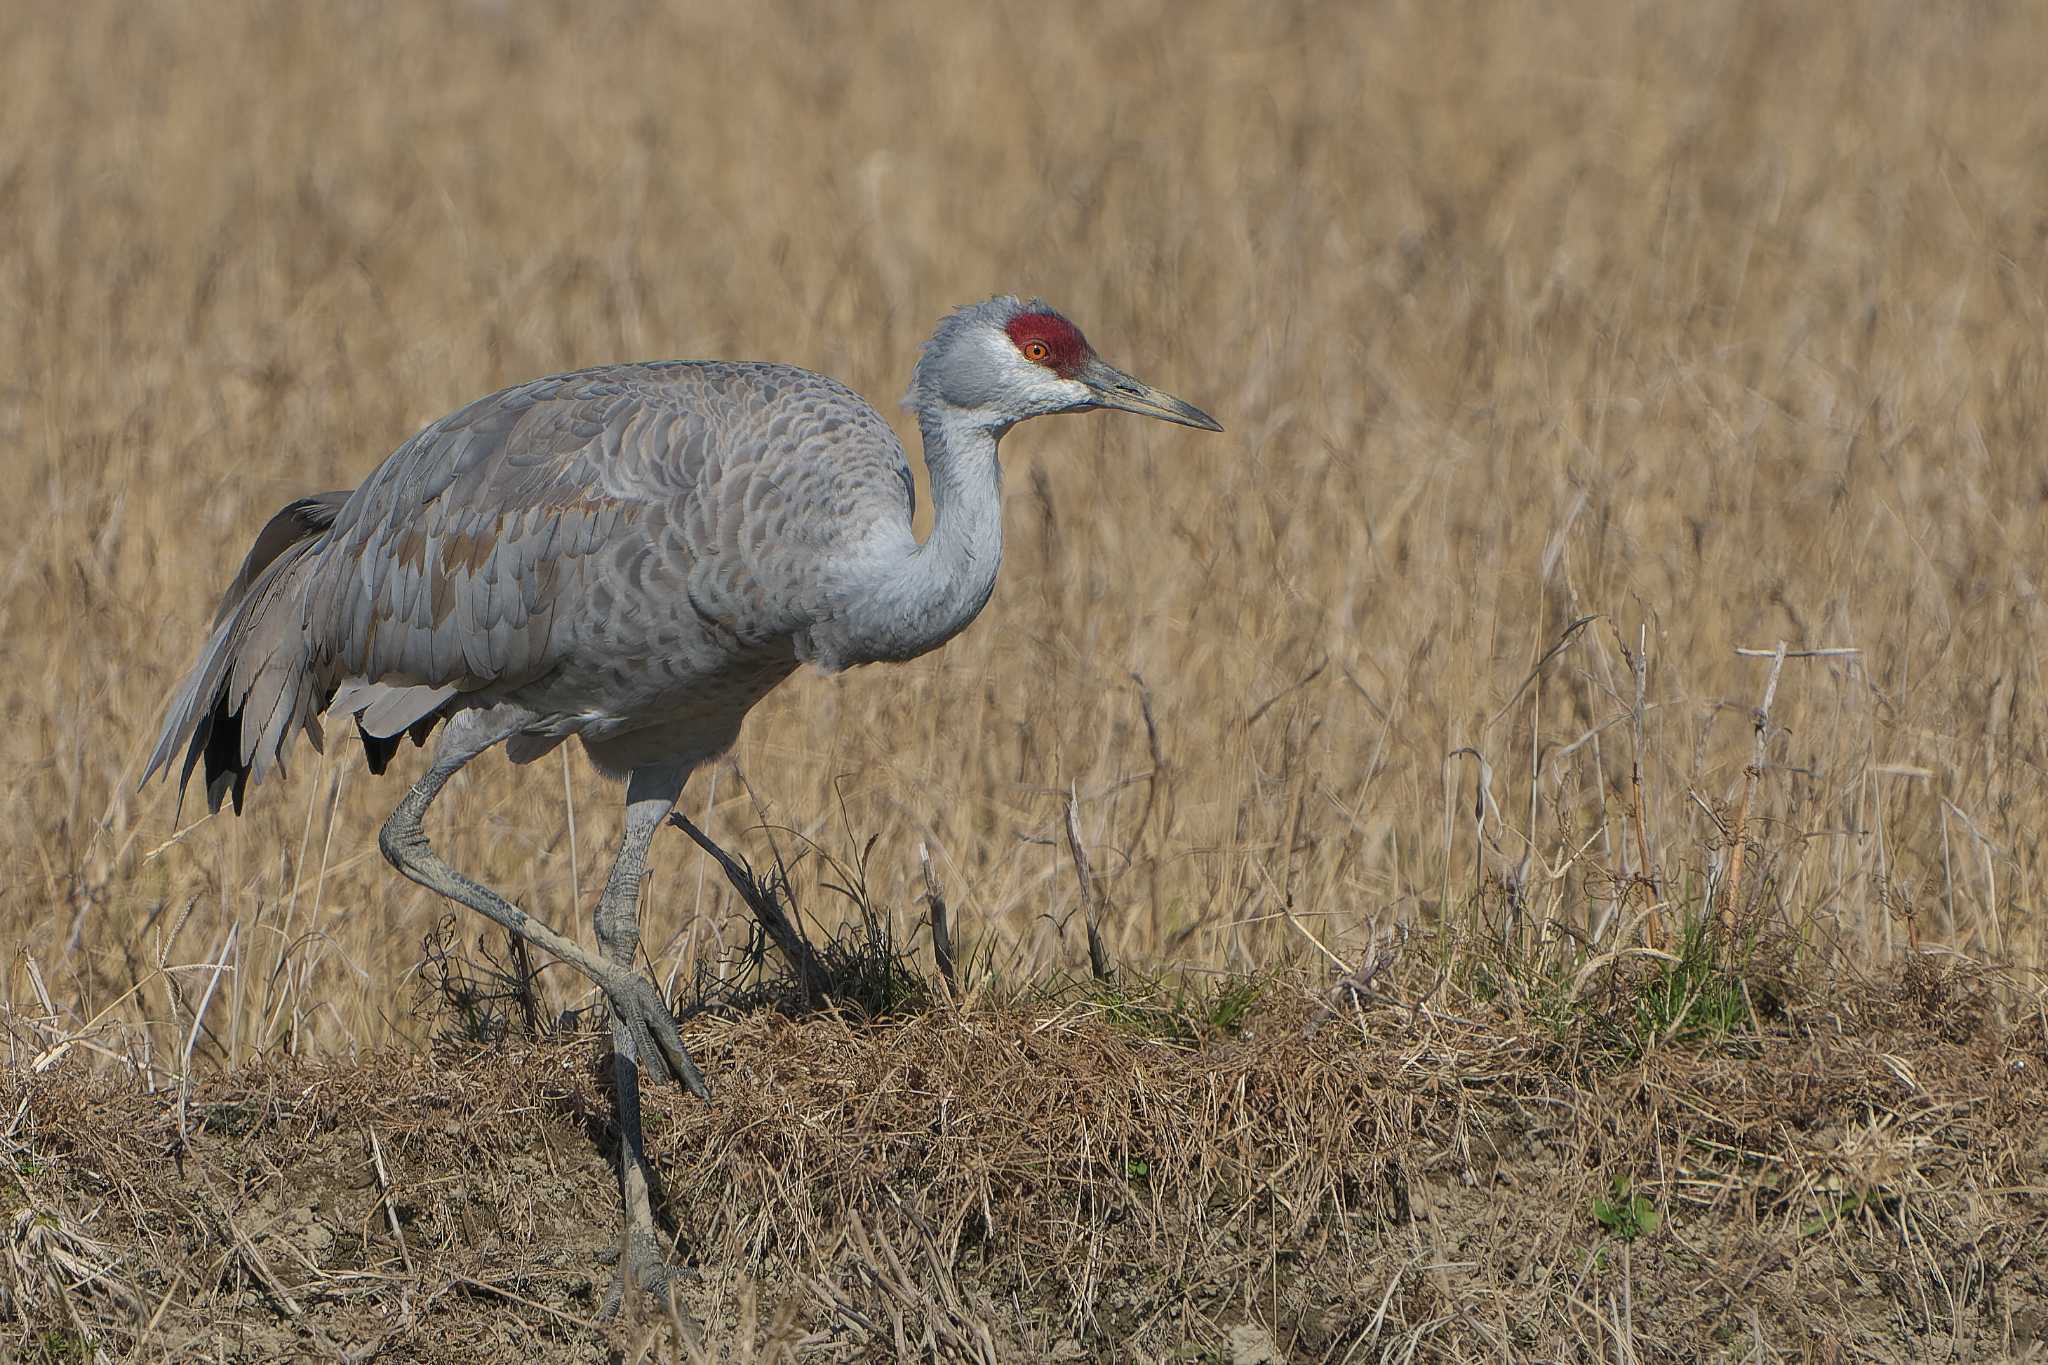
[1091,895]
[384,1198]
[1738,837]
[1731,898]
[149,1328]
[948,1326]
[35,981]
[1995,939]
[1639,665]
[220,962]
[500,1292]
[524,980]
[1482,800]
[252,1257]
[1158,771]
[942,934]
[759,894]
[1535,672]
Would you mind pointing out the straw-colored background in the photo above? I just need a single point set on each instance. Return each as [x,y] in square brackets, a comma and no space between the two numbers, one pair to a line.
[1725,322]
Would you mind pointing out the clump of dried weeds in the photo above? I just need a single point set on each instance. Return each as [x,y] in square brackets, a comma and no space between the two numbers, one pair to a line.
[1037,1179]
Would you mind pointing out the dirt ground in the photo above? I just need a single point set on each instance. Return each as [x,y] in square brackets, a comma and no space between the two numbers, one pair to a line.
[1859,1181]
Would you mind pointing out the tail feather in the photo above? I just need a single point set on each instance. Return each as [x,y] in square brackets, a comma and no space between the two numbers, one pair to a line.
[298,522]
[253,688]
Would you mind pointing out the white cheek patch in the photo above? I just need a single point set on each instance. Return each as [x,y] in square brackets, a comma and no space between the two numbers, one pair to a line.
[1033,387]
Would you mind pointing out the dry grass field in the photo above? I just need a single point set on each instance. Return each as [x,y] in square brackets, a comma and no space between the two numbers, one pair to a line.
[1564,352]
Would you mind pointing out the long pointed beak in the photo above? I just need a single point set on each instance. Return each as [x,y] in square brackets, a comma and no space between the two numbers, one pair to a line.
[1112,388]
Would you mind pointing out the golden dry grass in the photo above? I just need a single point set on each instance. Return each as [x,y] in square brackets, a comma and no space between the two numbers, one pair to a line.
[1722,325]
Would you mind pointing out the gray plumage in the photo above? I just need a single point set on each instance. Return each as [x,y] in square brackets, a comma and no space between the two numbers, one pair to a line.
[624,547]
[633,555]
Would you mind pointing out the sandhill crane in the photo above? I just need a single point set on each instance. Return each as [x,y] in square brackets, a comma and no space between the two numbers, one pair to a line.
[633,555]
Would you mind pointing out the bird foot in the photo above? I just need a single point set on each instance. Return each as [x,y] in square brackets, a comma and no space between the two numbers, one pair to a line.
[641,1268]
[657,1042]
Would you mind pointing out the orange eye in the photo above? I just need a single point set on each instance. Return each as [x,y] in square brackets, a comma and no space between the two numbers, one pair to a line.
[1037,352]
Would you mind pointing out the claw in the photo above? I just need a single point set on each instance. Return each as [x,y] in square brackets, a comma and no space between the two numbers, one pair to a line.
[669,1039]
[647,1269]
[655,1035]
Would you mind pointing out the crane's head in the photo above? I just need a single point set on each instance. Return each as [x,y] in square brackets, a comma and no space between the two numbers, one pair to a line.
[999,362]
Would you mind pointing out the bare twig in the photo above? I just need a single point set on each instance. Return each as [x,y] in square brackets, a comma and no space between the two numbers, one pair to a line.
[524,981]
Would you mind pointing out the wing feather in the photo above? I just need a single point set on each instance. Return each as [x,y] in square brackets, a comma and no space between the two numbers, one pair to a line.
[678,495]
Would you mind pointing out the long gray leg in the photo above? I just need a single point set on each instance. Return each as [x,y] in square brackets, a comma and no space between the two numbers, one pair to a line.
[650,795]
[636,1002]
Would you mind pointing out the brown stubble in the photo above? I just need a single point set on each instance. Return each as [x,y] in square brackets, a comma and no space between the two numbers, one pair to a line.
[1007,1181]
[1724,324]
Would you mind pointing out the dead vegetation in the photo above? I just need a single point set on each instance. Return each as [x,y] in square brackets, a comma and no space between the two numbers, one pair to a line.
[1013,1181]
[1574,752]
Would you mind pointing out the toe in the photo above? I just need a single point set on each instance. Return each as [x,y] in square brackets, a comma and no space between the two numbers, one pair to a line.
[657,1041]
[680,1066]
[644,1269]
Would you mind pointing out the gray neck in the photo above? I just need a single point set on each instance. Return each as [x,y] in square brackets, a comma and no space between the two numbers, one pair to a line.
[915,602]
